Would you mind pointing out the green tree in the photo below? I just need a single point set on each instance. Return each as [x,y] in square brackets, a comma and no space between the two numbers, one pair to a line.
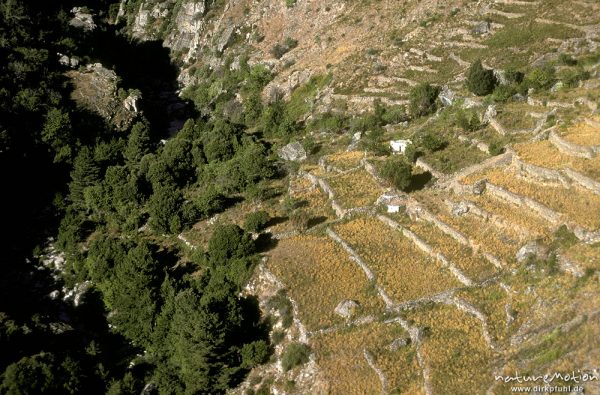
[138,144]
[85,173]
[422,99]
[164,208]
[133,295]
[254,354]
[397,171]
[480,80]
[57,133]
[229,242]
[256,221]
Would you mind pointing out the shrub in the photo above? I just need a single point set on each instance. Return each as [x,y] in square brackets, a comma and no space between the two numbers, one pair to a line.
[422,99]
[281,49]
[480,80]
[432,142]
[254,353]
[397,171]
[503,93]
[256,221]
[295,354]
[300,220]
[571,78]
[290,3]
[541,77]
[468,121]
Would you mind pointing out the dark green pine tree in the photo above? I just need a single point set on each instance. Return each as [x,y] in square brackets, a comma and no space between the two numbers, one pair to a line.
[85,173]
[138,144]
[480,81]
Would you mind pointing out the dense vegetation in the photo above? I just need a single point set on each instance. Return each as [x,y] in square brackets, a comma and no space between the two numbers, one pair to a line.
[148,314]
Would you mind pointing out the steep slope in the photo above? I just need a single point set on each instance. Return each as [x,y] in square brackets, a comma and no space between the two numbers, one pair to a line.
[491,266]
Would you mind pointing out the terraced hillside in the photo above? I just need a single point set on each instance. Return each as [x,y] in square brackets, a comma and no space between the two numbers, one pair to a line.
[489,265]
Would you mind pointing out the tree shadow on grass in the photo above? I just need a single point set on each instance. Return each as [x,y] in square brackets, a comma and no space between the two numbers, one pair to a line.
[265,242]
[419,181]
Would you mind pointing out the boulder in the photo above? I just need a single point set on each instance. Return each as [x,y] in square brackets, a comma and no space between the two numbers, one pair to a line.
[399,343]
[490,113]
[447,96]
[347,308]
[470,103]
[294,152]
[82,19]
[500,76]
[460,209]
[483,27]
[479,187]
[531,249]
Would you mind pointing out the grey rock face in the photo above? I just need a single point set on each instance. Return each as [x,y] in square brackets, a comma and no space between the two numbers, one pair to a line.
[347,308]
[293,152]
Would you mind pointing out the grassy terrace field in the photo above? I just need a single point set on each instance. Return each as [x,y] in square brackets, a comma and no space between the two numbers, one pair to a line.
[574,202]
[355,189]
[474,266]
[522,219]
[401,269]
[455,350]
[457,155]
[319,275]
[544,154]
[500,242]
[493,301]
[341,358]
[583,134]
[345,160]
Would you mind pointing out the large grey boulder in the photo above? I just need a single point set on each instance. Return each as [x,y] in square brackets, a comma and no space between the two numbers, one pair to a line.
[347,308]
[82,19]
[483,27]
[294,152]
[532,249]
[460,208]
[447,96]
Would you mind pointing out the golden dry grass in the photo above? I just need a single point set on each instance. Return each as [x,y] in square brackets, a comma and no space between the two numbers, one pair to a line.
[574,202]
[544,154]
[401,269]
[491,301]
[355,189]
[319,275]
[340,356]
[583,134]
[345,160]
[455,350]
[521,218]
[474,266]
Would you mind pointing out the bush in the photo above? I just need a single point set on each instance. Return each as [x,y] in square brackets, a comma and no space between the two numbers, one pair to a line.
[281,49]
[468,121]
[295,354]
[423,99]
[397,171]
[541,77]
[503,93]
[254,354]
[256,221]
[300,220]
[480,80]
[432,142]
[290,3]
